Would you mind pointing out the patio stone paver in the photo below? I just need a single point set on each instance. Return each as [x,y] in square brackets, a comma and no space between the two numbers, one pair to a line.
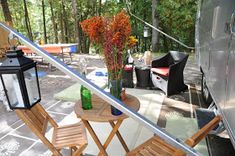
[63,107]
[24,131]
[13,146]
[16,138]
[38,149]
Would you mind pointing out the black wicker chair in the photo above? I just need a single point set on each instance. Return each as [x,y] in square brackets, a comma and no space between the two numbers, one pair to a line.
[167,72]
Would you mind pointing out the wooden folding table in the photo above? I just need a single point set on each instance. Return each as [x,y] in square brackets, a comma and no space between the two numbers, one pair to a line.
[101,112]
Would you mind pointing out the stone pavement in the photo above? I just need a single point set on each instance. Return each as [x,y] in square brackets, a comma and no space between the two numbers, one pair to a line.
[16,139]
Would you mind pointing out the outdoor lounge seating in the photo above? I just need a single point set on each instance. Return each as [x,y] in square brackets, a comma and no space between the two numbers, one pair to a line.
[72,136]
[158,147]
[167,72]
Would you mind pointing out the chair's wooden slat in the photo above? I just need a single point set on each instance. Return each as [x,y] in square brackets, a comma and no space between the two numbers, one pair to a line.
[72,126]
[153,151]
[161,145]
[71,140]
[34,120]
[39,114]
[69,129]
[68,133]
[50,119]
[68,137]
[44,126]
[145,152]
[159,148]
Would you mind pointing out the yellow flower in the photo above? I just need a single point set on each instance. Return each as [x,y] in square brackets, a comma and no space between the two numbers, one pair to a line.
[132,41]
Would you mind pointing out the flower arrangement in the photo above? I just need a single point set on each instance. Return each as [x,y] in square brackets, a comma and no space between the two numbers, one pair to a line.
[112,37]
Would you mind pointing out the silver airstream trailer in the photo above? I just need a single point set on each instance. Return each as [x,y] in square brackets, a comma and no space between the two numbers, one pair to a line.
[215,48]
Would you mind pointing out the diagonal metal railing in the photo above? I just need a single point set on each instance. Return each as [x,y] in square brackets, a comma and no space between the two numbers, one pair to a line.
[158,30]
[101,93]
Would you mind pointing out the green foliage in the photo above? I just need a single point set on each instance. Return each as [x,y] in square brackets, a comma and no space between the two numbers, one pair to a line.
[177,18]
[142,9]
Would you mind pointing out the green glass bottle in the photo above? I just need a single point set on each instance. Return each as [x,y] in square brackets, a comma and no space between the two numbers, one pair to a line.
[86,98]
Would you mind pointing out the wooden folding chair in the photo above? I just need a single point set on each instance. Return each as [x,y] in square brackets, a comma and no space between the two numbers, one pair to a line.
[72,136]
[155,146]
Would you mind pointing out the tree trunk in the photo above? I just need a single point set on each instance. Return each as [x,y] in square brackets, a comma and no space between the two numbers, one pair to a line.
[100,5]
[136,31]
[65,22]
[82,37]
[6,12]
[155,23]
[76,25]
[165,41]
[44,22]
[94,8]
[27,22]
[61,27]
[53,22]
[87,46]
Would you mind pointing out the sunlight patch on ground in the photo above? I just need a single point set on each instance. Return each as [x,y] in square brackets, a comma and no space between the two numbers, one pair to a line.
[59,76]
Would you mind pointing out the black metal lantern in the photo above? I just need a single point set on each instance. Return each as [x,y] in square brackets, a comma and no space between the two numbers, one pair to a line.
[20,80]
[146,31]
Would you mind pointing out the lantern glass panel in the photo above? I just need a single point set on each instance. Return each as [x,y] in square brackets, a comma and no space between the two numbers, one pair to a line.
[146,33]
[13,90]
[31,85]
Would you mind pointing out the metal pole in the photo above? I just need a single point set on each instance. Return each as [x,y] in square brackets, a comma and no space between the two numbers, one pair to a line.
[145,44]
[102,94]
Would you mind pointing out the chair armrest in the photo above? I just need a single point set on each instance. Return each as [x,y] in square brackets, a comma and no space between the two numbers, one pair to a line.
[164,61]
[177,67]
[203,132]
[176,77]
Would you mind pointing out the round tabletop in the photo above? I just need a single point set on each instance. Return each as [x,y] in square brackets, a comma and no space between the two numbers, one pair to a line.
[101,111]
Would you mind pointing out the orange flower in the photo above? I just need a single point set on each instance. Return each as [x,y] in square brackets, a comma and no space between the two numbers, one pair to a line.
[94,27]
[113,38]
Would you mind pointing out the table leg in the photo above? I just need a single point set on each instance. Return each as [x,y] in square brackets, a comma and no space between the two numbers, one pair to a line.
[62,53]
[95,138]
[120,138]
[111,135]
[70,54]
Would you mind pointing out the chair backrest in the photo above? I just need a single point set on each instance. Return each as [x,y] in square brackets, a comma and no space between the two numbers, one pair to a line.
[178,56]
[37,120]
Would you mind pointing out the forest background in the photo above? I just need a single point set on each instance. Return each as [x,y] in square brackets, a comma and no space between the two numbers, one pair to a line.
[57,21]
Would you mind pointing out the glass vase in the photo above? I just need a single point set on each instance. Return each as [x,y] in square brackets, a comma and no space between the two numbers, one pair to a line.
[115,90]
[86,98]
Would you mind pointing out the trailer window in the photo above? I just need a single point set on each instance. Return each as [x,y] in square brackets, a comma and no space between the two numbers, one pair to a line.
[215,23]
